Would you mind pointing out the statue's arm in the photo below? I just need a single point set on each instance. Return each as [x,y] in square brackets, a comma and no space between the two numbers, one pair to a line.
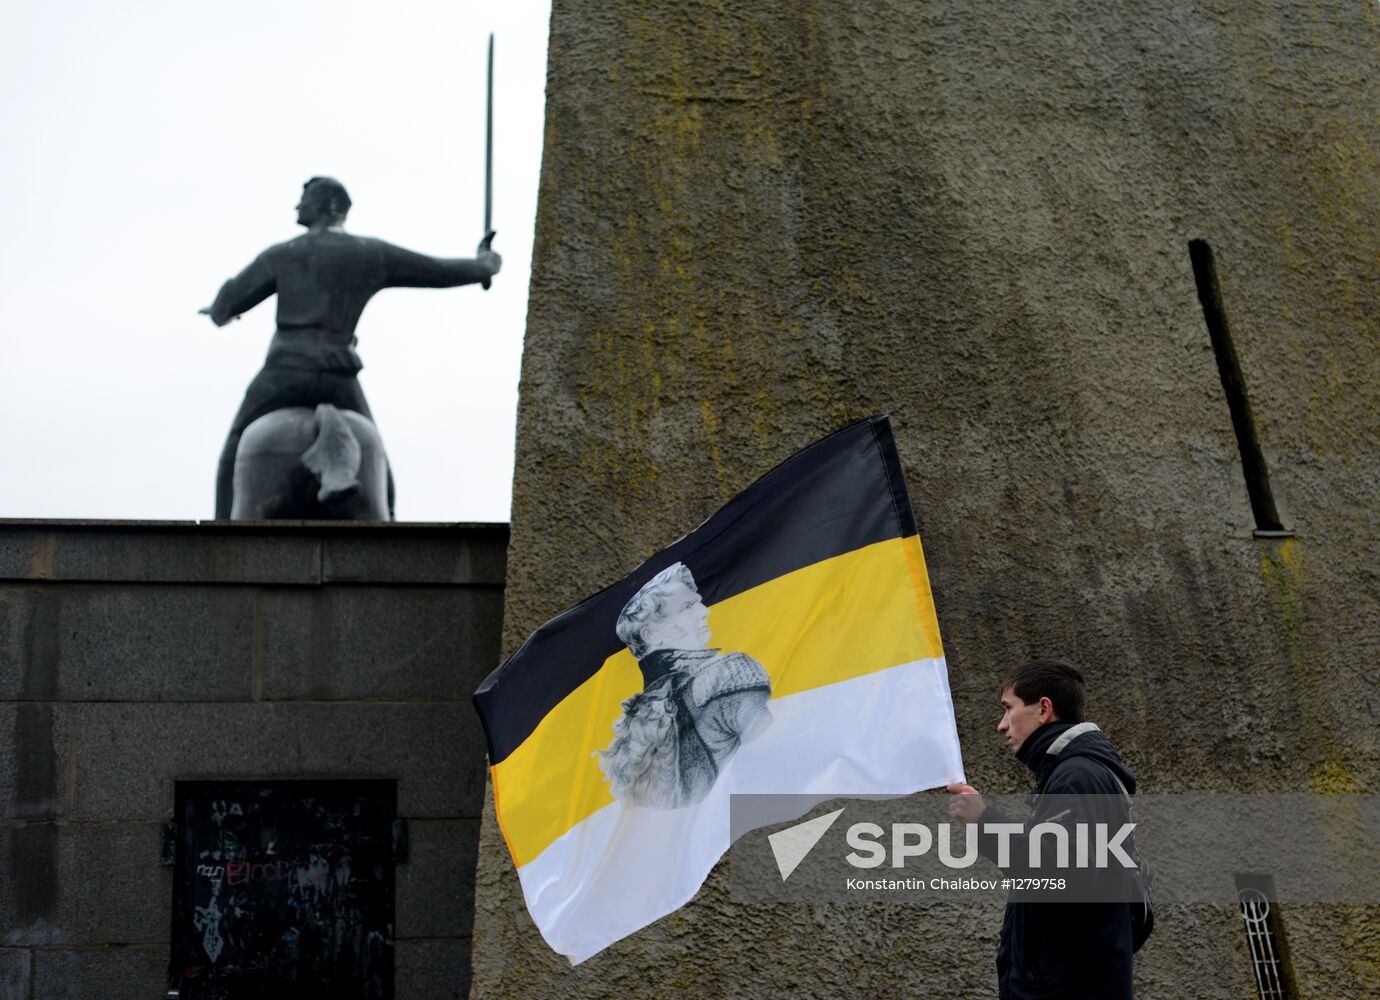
[408,269]
[243,292]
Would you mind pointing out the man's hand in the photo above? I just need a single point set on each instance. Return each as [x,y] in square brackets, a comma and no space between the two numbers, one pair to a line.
[486,258]
[218,322]
[965,803]
[491,260]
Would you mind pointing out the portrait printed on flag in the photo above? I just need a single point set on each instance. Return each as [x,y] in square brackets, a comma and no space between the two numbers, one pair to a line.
[697,705]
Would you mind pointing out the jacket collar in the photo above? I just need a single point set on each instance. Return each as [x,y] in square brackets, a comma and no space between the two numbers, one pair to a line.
[1036,746]
[1049,741]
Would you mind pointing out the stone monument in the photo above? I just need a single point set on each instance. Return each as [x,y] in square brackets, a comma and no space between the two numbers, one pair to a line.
[303,443]
[758,221]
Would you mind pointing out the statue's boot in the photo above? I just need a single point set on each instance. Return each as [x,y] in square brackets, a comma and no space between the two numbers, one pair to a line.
[334,457]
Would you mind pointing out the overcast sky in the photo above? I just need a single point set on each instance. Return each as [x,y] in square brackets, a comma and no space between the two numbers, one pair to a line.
[153,148]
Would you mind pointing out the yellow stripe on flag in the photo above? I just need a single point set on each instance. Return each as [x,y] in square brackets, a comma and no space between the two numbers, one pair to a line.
[844,617]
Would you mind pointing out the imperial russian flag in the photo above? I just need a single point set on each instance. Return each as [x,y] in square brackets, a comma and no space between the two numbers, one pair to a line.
[787,645]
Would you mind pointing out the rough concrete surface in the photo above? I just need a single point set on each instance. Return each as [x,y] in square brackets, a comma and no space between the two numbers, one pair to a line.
[262,552]
[50,892]
[94,642]
[110,973]
[128,757]
[440,853]
[138,887]
[153,552]
[432,970]
[14,973]
[33,760]
[760,221]
[385,643]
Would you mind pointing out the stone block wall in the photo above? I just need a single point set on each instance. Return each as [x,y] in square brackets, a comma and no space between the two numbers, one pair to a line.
[133,655]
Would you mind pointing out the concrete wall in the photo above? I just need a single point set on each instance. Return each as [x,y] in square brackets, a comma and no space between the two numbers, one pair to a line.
[136,654]
[761,220]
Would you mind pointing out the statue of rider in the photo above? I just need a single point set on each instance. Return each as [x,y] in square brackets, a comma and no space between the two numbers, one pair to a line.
[323,279]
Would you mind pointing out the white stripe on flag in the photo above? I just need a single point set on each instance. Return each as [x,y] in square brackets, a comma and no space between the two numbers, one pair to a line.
[889,732]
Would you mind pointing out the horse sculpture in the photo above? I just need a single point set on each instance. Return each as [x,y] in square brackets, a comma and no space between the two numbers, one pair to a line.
[326,463]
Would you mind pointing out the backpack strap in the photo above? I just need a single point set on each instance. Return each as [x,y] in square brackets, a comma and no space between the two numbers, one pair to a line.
[1124,793]
[1071,734]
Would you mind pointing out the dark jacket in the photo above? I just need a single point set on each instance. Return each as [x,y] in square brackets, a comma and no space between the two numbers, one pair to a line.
[1068,951]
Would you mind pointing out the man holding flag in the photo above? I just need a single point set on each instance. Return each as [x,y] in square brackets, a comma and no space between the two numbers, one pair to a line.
[1053,950]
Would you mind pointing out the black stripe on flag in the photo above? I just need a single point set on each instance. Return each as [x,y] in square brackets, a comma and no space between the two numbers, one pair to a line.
[837,495]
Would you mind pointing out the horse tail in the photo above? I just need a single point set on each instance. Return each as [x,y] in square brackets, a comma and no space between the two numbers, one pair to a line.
[334,457]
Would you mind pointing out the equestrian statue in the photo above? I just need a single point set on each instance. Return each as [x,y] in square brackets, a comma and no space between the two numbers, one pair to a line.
[303,444]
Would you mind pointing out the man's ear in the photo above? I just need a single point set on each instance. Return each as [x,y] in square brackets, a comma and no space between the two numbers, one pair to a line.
[1047,713]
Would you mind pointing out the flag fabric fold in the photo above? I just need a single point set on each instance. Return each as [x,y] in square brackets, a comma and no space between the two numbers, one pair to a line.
[789,644]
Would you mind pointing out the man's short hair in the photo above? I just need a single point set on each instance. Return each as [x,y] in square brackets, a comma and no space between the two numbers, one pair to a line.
[336,195]
[646,606]
[1057,680]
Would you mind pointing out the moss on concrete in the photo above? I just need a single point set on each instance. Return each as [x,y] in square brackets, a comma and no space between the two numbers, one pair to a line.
[758,221]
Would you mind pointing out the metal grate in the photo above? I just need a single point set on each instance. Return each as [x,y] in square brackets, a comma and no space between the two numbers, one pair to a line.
[1265,955]
[284,889]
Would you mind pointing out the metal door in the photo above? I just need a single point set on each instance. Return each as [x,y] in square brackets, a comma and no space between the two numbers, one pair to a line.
[283,889]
